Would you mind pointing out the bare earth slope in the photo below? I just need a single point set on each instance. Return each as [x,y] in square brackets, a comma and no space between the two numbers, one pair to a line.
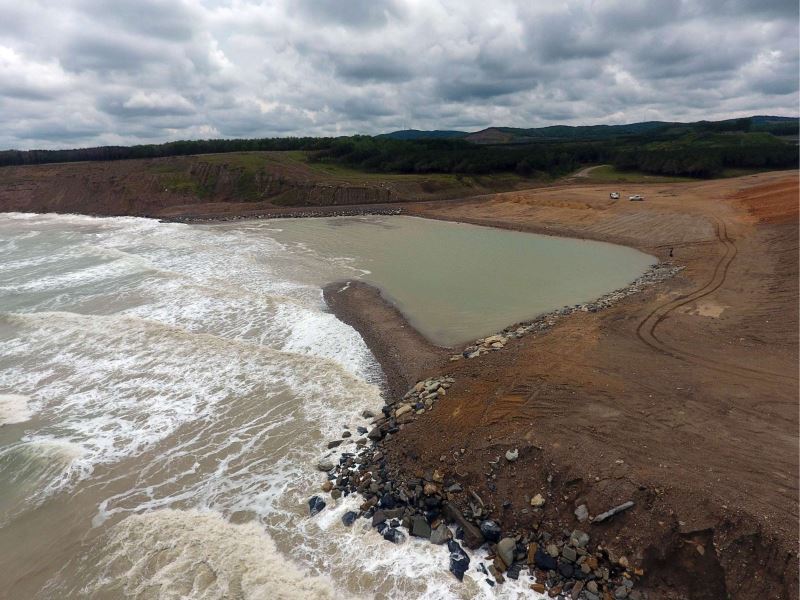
[221,185]
[684,398]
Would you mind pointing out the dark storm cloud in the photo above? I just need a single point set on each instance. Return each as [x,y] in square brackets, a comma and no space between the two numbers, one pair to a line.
[372,67]
[83,72]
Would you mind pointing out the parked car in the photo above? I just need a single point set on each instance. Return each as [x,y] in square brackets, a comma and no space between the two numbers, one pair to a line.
[614,195]
[636,197]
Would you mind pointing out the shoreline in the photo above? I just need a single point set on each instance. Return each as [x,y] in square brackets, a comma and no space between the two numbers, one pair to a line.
[403,353]
[413,369]
[669,519]
[681,398]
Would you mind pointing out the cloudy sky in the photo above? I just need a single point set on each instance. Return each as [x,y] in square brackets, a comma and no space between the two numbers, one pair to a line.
[88,72]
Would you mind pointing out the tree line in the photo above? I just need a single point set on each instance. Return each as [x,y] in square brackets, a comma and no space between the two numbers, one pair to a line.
[704,152]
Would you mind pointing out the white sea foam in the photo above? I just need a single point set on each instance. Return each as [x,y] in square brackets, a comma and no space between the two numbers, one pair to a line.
[117,385]
[14,408]
[192,554]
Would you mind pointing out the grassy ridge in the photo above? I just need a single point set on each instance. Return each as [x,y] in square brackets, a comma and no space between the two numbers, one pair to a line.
[702,149]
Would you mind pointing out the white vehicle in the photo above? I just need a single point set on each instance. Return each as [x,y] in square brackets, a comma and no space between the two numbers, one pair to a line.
[614,195]
[636,197]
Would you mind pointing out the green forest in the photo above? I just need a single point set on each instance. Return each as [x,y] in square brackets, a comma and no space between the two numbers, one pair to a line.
[702,149]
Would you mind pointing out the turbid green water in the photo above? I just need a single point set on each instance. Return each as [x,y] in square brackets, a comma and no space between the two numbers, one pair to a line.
[455,282]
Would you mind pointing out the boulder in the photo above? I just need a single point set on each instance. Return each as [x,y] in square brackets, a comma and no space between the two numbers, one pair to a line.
[394,535]
[315,505]
[490,530]
[405,408]
[544,561]
[325,465]
[375,434]
[505,550]
[459,561]
[349,518]
[473,538]
[420,527]
[440,534]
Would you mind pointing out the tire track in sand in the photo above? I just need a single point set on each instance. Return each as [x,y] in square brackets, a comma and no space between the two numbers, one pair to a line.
[646,330]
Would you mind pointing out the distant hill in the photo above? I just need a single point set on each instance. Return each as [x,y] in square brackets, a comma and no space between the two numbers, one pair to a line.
[417,134]
[518,135]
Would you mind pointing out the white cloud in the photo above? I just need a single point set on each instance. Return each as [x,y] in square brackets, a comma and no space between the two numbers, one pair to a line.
[82,72]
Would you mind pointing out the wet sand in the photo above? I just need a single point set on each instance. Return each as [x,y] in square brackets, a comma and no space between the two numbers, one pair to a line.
[402,352]
[682,398]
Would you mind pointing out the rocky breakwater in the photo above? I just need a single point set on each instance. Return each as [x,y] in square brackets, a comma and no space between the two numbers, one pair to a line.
[655,274]
[434,506]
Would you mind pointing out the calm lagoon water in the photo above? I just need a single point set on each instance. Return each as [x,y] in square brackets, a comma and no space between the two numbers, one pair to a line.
[455,282]
[166,391]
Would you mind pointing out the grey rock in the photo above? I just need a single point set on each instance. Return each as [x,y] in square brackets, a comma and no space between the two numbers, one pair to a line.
[582,513]
[420,527]
[375,434]
[325,465]
[473,538]
[621,592]
[569,553]
[349,518]
[512,455]
[505,550]
[440,534]
[578,538]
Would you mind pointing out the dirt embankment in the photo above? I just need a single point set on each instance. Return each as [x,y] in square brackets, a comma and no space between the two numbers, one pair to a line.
[683,398]
[178,185]
[219,185]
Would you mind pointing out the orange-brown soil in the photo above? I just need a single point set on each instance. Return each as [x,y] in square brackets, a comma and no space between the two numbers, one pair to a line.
[683,398]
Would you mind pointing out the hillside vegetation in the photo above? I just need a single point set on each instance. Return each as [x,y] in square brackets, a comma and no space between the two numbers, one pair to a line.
[701,149]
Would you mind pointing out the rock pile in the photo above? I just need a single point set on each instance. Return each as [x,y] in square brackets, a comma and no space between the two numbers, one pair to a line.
[655,274]
[420,398]
[426,507]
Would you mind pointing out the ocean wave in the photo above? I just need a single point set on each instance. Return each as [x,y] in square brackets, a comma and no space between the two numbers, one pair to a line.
[190,554]
[117,385]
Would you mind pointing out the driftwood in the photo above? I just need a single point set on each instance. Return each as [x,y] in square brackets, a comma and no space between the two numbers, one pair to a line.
[610,513]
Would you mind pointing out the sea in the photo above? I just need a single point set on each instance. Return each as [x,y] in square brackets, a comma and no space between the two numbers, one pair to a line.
[167,389]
